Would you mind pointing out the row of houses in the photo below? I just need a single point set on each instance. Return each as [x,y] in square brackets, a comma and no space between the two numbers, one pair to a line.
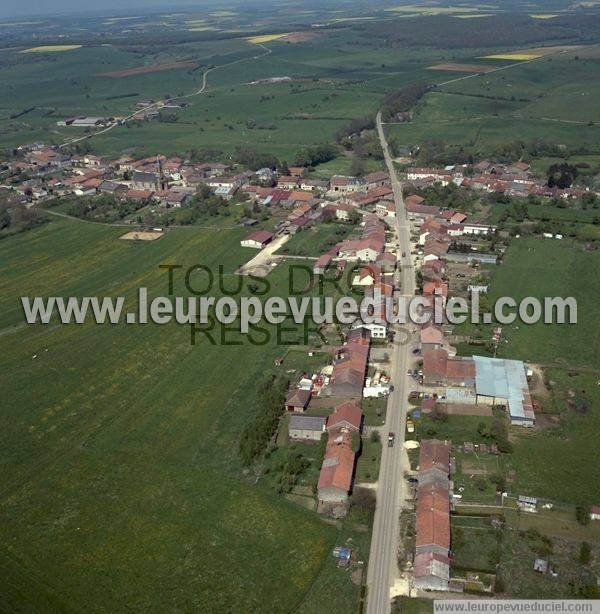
[514,179]
[347,381]
[475,380]
[431,570]
[343,426]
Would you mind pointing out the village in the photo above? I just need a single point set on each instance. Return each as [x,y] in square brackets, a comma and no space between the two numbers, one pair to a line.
[451,255]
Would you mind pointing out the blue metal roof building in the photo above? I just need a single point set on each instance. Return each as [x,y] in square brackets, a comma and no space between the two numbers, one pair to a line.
[505,382]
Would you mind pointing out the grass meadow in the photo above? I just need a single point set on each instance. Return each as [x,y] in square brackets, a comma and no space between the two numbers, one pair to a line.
[551,99]
[121,486]
[554,460]
[549,268]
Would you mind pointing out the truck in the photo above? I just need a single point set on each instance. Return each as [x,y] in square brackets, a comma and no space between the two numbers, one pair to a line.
[391,438]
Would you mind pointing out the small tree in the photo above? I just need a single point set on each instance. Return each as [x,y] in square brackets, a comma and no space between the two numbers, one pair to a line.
[582,515]
[364,500]
[584,553]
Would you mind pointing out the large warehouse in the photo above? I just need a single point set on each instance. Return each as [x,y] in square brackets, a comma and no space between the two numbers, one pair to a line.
[504,382]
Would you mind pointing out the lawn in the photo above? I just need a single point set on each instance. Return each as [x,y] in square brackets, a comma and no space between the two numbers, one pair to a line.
[549,268]
[552,98]
[367,467]
[560,462]
[374,410]
[475,548]
[316,240]
[121,486]
[472,477]
[457,429]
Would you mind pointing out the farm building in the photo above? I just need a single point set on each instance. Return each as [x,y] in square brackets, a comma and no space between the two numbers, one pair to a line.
[432,545]
[431,338]
[346,417]
[298,400]
[335,479]
[257,239]
[478,229]
[431,571]
[527,504]
[378,178]
[306,428]
[439,369]
[504,382]
[349,369]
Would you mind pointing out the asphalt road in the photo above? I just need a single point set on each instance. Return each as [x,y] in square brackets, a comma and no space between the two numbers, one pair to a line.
[391,488]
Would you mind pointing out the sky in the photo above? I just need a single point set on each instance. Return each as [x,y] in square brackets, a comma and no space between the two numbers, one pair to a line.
[21,8]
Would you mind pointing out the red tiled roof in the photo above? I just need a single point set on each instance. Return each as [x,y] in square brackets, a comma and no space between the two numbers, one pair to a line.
[429,289]
[375,177]
[412,200]
[338,463]
[431,334]
[139,194]
[299,195]
[260,236]
[346,414]
[323,261]
[460,369]
[431,564]
[434,454]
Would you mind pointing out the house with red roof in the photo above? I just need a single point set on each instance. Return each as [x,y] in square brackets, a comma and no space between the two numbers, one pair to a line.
[432,543]
[441,370]
[349,369]
[322,264]
[287,182]
[337,471]
[345,417]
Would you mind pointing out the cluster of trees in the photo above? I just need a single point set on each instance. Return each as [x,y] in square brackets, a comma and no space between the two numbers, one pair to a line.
[402,100]
[450,196]
[291,468]
[104,208]
[354,128]
[166,117]
[496,431]
[202,206]
[311,156]
[205,154]
[364,501]
[437,153]
[17,218]
[255,159]
[256,435]
[562,175]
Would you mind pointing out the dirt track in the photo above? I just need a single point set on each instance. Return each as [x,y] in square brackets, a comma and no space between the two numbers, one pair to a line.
[264,262]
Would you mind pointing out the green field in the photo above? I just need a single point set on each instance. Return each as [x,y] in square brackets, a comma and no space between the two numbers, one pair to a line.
[316,240]
[551,99]
[558,462]
[550,268]
[121,486]
[552,461]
